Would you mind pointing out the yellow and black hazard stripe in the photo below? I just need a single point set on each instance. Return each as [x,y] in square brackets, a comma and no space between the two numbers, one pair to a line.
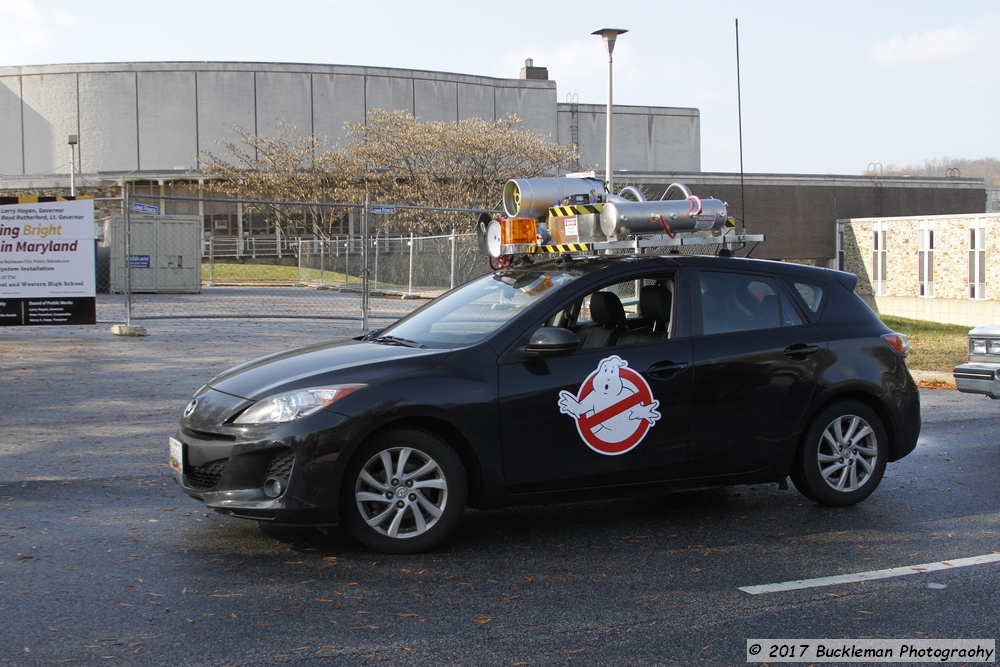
[565,247]
[579,209]
[7,201]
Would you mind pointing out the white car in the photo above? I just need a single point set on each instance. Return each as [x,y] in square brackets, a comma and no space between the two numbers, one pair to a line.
[982,374]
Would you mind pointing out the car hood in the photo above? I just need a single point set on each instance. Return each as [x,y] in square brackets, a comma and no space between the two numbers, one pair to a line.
[338,361]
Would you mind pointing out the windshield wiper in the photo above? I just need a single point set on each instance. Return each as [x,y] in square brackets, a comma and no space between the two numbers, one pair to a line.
[396,340]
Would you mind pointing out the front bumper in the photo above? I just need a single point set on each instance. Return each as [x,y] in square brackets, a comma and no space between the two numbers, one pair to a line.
[285,473]
[978,378]
[229,476]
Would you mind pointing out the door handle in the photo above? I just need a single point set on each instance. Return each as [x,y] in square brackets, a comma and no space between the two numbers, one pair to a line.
[665,369]
[800,351]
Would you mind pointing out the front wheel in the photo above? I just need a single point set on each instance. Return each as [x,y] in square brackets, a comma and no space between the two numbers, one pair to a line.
[842,458]
[404,492]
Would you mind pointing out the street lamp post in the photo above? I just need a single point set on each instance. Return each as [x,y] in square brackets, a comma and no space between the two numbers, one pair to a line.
[609,35]
[72,141]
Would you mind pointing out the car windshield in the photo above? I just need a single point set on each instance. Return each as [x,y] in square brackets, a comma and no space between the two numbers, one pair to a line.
[475,310]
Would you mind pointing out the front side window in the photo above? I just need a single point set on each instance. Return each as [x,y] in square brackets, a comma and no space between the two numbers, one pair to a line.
[477,309]
[634,311]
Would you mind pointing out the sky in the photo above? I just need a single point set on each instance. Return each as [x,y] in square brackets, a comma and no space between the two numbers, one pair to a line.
[827,87]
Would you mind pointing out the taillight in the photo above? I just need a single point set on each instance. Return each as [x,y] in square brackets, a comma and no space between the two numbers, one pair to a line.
[899,342]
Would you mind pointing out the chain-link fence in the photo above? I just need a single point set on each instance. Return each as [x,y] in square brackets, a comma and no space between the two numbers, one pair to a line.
[398,264]
[187,257]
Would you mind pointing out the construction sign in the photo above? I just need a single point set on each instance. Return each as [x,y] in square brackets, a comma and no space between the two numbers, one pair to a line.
[47,261]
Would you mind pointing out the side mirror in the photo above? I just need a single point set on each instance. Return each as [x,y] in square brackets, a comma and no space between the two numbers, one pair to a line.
[552,341]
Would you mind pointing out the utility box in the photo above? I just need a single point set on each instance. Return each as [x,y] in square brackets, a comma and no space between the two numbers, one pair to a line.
[165,253]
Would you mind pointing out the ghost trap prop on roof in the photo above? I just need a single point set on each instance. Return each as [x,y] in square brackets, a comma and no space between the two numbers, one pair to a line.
[572,214]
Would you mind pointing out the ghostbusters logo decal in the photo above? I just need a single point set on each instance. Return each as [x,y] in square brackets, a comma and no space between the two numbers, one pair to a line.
[614,408]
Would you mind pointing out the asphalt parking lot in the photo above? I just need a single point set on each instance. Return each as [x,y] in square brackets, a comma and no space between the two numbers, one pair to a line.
[103,560]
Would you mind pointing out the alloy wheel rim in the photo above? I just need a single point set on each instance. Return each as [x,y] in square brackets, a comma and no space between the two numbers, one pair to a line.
[847,453]
[401,492]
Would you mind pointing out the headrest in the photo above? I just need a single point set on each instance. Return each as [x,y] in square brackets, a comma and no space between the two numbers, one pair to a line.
[654,303]
[606,308]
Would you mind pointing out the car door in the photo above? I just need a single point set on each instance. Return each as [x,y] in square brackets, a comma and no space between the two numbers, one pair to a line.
[757,361]
[606,415]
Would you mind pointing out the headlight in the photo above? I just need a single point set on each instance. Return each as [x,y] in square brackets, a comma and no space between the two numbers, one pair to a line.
[993,346]
[294,405]
[977,346]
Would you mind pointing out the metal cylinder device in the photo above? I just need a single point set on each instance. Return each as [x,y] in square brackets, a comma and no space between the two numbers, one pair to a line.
[533,197]
[663,217]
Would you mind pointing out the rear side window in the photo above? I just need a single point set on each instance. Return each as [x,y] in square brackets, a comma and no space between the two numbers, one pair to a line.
[813,296]
[738,302]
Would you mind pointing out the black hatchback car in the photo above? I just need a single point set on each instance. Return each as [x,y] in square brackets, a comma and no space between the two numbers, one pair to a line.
[561,379]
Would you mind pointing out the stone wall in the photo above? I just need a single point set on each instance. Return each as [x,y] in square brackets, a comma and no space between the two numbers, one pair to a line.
[951,302]
[901,260]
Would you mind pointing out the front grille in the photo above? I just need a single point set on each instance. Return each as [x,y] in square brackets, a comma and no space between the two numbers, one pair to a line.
[280,465]
[206,476]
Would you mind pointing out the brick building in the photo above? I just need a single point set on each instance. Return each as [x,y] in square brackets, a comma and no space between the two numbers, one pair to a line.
[798,213]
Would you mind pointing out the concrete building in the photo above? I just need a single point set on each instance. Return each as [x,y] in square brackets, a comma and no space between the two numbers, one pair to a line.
[151,121]
[993,199]
[159,117]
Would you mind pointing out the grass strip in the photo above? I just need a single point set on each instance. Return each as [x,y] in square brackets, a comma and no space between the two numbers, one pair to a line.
[933,346]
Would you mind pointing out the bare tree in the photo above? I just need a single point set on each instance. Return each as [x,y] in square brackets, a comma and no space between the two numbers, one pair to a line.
[287,167]
[400,159]
[397,159]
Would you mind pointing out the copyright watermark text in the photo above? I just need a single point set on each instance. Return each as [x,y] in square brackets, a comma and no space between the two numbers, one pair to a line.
[871,650]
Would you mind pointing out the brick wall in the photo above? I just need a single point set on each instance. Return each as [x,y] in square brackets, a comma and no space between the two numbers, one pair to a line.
[798,216]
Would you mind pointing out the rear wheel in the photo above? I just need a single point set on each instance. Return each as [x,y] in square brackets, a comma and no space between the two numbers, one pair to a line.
[404,492]
[842,458]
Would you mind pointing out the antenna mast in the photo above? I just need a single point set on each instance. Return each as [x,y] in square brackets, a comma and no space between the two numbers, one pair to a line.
[739,111]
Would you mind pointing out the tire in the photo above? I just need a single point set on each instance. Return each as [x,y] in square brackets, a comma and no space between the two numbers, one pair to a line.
[842,458]
[427,484]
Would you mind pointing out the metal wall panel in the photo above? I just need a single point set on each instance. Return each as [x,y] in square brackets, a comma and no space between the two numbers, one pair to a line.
[591,130]
[475,101]
[283,96]
[224,99]
[651,142]
[109,131]
[50,116]
[678,141]
[157,116]
[11,147]
[646,139]
[337,98]
[389,92]
[168,124]
[532,105]
[435,100]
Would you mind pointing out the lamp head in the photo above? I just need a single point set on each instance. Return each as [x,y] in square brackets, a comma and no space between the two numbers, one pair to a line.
[609,35]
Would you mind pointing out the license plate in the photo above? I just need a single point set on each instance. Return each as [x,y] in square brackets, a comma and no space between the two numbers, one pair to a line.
[177,455]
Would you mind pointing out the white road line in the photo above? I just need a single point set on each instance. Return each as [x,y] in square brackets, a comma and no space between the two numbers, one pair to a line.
[868,576]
